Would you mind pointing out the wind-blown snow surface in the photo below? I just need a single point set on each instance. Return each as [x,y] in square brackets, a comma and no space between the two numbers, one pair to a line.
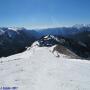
[39,69]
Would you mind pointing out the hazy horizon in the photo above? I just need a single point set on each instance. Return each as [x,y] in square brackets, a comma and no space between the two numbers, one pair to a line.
[75,25]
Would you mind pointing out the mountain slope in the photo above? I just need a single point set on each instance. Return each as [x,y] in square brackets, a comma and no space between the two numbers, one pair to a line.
[63,50]
[39,69]
[14,41]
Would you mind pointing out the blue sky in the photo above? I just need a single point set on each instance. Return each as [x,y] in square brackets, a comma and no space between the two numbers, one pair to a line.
[44,13]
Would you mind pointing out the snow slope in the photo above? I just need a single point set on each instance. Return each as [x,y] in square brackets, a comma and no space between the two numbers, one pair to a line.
[39,69]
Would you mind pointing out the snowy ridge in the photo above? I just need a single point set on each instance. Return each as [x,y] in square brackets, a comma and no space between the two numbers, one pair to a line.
[38,69]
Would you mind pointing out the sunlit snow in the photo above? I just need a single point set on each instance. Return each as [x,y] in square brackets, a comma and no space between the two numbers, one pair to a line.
[39,69]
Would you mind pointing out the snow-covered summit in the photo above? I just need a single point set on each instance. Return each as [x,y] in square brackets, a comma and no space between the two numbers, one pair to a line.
[39,69]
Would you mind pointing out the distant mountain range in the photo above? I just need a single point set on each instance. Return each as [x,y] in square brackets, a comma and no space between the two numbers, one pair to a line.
[15,40]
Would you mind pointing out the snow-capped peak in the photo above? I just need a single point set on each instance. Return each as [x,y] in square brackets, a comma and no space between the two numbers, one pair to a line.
[16,28]
[49,37]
